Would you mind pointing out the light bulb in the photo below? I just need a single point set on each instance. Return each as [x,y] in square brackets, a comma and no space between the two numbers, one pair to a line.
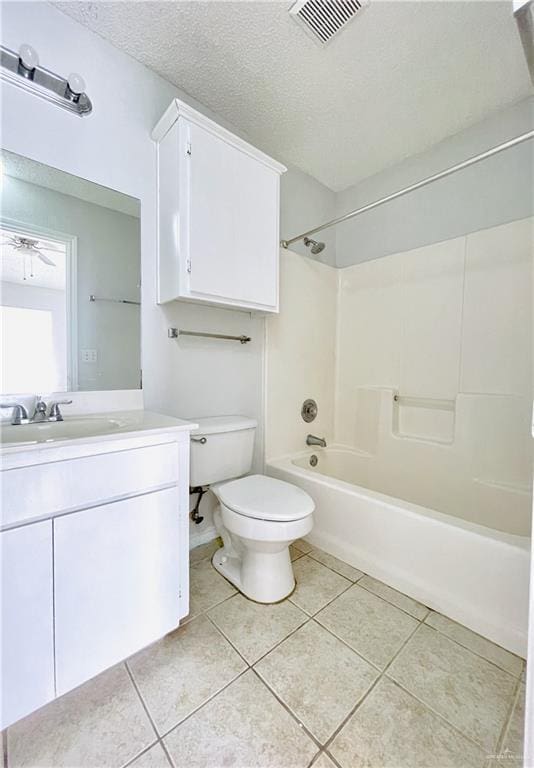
[28,56]
[76,83]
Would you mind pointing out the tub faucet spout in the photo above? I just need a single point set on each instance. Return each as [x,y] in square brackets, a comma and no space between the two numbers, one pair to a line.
[312,440]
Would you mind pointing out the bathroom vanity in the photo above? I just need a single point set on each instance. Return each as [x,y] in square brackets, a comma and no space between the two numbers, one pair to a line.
[94,542]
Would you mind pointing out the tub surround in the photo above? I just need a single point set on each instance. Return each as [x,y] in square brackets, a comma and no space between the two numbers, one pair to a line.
[98,568]
[426,391]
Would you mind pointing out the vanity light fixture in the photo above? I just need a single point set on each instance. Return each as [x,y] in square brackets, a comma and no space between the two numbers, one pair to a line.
[23,70]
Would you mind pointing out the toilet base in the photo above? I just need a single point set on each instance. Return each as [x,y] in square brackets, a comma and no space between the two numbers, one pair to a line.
[262,576]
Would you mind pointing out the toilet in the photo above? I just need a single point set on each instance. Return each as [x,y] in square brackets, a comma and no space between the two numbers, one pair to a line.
[257,517]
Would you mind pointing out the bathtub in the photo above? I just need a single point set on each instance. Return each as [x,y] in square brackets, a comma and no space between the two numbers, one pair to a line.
[473,573]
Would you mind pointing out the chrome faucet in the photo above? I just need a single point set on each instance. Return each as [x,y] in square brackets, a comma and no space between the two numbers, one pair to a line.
[20,414]
[312,440]
[39,413]
[55,414]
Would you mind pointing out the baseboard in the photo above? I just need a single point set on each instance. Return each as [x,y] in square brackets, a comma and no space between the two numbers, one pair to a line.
[202,537]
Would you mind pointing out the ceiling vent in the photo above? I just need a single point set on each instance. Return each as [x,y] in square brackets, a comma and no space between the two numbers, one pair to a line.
[323,19]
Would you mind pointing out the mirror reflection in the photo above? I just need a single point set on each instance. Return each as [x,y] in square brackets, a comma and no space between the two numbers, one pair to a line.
[70,270]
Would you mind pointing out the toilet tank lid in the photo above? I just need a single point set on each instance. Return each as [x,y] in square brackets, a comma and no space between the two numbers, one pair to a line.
[211,425]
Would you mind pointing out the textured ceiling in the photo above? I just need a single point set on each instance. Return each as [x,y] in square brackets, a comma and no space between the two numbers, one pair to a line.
[23,168]
[401,77]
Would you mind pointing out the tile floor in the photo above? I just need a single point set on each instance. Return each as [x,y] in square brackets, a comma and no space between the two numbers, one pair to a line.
[348,672]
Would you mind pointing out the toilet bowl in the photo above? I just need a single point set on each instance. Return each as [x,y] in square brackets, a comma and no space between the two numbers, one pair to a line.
[257,517]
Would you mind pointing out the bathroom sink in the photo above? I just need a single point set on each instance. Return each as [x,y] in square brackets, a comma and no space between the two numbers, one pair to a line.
[84,427]
[81,426]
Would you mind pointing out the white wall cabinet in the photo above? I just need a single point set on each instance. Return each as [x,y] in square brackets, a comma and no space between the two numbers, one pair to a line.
[218,215]
[27,651]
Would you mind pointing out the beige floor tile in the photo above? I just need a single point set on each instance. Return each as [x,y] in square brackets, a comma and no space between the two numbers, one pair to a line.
[180,672]
[303,546]
[204,551]
[243,726]
[405,603]
[294,553]
[374,628]
[476,643]
[206,588]
[317,677]
[316,585]
[344,569]
[155,757]
[253,628]
[468,691]
[391,729]
[101,724]
[511,751]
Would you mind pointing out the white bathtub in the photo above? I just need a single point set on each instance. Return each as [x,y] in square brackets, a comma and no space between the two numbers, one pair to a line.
[474,574]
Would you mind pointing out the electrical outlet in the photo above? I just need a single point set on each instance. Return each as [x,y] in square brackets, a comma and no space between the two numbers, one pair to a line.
[89,356]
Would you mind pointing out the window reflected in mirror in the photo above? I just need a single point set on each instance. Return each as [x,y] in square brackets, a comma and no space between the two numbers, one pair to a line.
[70,271]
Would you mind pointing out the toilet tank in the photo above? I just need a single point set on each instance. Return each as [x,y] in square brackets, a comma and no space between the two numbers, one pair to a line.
[221,448]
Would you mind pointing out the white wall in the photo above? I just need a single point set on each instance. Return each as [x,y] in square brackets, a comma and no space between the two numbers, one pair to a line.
[301,354]
[112,147]
[493,192]
[108,264]
[305,204]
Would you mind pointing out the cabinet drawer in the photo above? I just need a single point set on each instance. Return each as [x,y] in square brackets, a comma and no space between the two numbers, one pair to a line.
[49,489]
[117,582]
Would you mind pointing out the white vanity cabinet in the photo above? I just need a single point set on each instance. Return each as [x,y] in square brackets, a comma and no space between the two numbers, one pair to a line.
[95,553]
[117,574]
[218,215]
[27,649]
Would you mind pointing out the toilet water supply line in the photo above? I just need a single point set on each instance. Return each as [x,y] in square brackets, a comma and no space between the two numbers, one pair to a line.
[418,185]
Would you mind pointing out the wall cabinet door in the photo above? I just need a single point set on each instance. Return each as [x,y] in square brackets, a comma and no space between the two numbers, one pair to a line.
[218,210]
[117,582]
[27,651]
[233,222]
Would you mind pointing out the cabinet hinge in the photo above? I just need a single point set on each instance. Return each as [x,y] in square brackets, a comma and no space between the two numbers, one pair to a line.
[188,148]
[189,265]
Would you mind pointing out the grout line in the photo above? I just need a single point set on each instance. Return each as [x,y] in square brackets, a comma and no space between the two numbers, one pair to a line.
[294,716]
[332,758]
[506,727]
[203,704]
[406,613]
[470,650]
[371,687]
[167,753]
[439,715]
[139,754]
[221,632]
[143,703]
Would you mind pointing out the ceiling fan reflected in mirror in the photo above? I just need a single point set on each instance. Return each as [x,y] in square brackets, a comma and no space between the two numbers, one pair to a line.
[28,247]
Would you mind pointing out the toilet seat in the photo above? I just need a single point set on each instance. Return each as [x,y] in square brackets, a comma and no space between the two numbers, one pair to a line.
[264,498]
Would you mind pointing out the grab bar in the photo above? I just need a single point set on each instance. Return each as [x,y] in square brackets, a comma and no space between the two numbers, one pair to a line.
[425,402]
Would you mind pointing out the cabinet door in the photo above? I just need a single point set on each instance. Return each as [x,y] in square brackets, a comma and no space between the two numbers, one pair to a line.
[27,651]
[116,582]
[232,214]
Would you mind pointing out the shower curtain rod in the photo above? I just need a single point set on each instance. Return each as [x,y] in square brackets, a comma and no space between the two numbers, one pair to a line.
[423,183]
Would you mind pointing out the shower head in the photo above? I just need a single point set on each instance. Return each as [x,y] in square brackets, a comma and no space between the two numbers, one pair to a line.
[313,245]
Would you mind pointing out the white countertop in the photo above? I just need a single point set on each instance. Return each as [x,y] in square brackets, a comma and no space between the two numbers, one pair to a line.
[77,430]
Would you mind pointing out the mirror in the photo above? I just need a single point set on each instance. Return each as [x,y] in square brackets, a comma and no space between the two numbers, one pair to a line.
[70,273]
